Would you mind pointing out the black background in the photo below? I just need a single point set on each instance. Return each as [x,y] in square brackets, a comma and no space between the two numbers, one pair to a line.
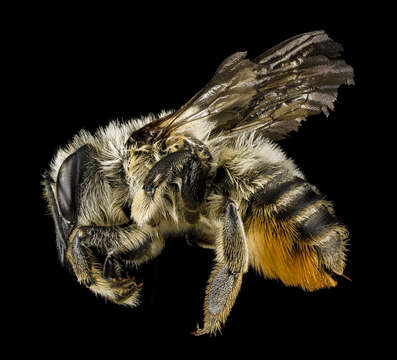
[82,69]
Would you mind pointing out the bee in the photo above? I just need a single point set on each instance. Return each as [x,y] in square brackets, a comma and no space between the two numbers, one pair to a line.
[213,169]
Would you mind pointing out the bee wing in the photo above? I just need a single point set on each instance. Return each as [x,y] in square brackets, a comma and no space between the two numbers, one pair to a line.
[271,94]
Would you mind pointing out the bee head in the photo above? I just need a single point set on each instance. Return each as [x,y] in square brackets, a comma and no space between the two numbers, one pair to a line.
[86,188]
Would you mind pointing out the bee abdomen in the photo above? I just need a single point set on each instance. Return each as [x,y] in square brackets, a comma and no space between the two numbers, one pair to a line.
[298,203]
[316,222]
[302,240]
[318,226]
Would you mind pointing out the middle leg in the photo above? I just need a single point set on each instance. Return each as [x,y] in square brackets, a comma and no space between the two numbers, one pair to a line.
[188,160]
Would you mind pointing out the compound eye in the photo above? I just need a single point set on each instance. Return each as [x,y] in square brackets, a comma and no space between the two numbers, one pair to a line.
[69,179]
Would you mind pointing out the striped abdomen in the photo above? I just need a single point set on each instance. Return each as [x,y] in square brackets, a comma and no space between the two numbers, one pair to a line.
[293,234]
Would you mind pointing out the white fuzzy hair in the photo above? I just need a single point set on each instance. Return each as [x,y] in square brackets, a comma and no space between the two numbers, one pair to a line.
[109,141]
[253,149]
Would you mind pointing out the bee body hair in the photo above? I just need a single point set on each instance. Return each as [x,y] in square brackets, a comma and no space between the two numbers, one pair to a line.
[292,232]
[278,205]
[211,170]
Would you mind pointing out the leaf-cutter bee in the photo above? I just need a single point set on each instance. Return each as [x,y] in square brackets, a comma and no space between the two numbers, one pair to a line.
[211,168]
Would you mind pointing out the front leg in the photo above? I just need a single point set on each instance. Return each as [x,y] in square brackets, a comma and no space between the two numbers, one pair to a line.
[112,241]
[226,277]
[187,159]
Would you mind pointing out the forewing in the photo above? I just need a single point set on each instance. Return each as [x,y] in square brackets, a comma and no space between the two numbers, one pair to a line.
[271,94]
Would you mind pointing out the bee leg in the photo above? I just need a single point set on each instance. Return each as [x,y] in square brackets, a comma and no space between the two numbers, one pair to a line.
[193,189]
[78,256]
[226,277]
[190,161]
[111,267]
[83,238]
[114,241]
[164,169]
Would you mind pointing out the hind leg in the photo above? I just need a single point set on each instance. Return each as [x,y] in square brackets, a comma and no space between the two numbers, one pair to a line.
[226,277]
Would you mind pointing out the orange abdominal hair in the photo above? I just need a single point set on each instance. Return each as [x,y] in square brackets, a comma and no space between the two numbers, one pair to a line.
[276,252]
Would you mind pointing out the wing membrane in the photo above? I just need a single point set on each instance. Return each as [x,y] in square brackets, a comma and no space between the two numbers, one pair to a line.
[270,94]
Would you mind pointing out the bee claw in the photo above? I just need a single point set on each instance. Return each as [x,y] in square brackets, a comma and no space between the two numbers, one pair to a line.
[150,189]
[87,281]
[199,331]
[108,268]
[82,232]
